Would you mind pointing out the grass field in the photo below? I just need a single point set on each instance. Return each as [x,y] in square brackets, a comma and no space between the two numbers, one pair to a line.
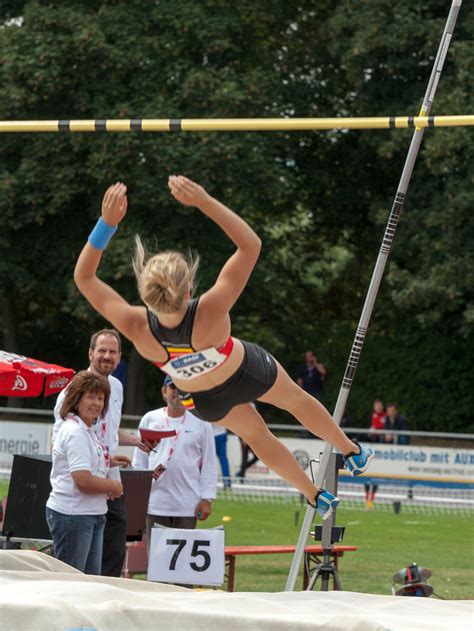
[386,543]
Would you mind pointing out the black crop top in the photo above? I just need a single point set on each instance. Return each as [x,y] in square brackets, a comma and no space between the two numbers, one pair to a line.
[177,341]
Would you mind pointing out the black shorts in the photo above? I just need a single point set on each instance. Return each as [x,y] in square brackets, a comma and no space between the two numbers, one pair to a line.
[255,376]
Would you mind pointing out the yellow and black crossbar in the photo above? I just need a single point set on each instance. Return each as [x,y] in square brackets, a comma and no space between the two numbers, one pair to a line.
[233,124]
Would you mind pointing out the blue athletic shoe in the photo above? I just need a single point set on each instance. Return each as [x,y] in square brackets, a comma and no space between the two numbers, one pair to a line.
[358,463]
[326,503]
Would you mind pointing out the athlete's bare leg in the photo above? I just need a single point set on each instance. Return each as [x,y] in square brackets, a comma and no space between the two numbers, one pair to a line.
[246,422]
[287,394]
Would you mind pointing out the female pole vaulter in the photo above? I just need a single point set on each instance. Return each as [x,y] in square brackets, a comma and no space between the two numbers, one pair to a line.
[189,338]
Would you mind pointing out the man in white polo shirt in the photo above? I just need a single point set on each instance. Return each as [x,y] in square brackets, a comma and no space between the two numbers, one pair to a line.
[185,470]
[104,356]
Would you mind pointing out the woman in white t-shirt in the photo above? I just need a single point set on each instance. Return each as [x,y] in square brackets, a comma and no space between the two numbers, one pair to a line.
[76,508]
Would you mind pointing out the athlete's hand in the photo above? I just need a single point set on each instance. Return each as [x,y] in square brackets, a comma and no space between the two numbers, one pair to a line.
[185,191]
[114,204]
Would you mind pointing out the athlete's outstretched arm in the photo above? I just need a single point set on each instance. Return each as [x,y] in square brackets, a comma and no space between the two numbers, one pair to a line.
[236,271]
[101,296]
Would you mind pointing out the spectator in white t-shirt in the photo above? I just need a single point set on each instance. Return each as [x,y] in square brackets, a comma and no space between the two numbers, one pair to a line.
[184,465]
[80,482]
[104,357]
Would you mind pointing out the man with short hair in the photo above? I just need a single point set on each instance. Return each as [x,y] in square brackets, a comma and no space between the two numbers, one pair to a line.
[394,420]
[104,356]
[184,465]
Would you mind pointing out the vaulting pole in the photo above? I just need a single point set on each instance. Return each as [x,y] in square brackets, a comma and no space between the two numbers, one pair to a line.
[234,124]
[376,278]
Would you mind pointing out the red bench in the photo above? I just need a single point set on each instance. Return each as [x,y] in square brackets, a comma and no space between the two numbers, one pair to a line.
[312,557]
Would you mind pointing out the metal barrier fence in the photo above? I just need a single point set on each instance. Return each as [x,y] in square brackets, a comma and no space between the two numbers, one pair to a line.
[389,496]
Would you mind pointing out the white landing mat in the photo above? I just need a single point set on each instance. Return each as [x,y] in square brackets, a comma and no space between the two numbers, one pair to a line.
[39,593]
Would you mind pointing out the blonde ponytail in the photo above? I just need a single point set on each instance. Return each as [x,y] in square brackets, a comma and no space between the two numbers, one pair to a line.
[164,279]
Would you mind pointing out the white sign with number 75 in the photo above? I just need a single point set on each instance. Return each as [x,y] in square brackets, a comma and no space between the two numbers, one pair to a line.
[189,557]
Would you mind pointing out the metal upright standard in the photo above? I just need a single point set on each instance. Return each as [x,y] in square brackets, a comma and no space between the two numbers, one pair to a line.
[376,278]
[327,569]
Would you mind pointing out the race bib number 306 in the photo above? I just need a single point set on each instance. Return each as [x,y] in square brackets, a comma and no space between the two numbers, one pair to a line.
[194,364]
[189,557]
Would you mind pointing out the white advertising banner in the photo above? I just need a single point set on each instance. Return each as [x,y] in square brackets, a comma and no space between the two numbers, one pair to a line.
[27,439]
[397,462]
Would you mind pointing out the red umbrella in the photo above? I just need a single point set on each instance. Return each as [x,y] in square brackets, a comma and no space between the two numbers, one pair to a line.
[24,377]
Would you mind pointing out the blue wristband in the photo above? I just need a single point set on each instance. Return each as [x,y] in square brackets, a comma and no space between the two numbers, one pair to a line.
[101,234]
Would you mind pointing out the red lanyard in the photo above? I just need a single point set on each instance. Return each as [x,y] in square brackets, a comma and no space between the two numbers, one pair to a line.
[175,438]
[105,453]
[103,428]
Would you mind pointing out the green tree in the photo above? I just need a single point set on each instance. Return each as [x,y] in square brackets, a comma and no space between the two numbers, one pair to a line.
[319,200]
